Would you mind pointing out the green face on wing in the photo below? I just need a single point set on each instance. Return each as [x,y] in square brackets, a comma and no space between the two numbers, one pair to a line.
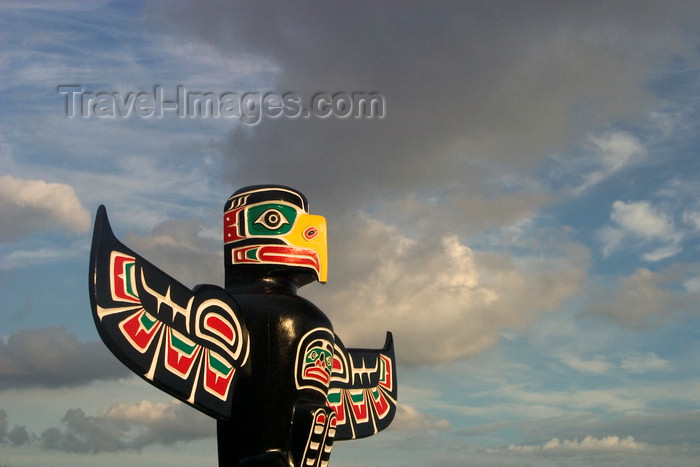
[319,354]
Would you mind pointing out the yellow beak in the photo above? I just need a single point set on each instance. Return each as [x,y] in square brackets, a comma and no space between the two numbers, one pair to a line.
[309,232]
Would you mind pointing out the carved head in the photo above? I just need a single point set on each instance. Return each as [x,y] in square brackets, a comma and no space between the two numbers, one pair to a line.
[268,228]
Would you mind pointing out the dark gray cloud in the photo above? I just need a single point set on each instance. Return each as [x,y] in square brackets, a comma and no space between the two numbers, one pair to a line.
[498,82]
[478,96]
[122,427]
[17,436]
[177,248]
[3,424]
[53,357]
[127,427]
[81,433]
[646,298]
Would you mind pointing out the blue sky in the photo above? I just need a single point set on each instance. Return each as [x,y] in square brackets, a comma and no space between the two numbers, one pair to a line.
[524,216]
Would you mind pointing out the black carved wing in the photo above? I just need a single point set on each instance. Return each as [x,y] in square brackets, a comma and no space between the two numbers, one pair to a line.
[363,389]
[192,344]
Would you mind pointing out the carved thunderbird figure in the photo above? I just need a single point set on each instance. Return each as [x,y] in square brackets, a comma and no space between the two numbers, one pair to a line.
[260,359]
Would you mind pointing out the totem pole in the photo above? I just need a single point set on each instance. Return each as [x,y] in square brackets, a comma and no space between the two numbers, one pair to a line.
[261,360]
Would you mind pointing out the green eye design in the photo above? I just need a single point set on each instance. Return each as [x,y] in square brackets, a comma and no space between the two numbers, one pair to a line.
[270,219]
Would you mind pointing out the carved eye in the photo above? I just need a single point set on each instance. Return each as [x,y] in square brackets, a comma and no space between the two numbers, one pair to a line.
[272,219]
[310,233]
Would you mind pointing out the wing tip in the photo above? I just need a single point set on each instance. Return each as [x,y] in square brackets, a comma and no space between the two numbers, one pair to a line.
[101,216]
[102,232]
[389,342]
[102,228]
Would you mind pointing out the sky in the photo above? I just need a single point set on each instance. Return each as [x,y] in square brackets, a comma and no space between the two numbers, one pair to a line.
[517,199]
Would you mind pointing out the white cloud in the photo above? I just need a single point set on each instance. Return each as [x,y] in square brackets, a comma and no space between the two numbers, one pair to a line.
[30,257]
[611,239]
[692,284]
[693,218]
[589,443]
[640,219]
[616,149]
[27,206]
[614,400]
[442,300]
[667,251]
[642,363]
[597,366]
[409,419]
[638,224]
[629,362]
[143,413]
[608,153]
[163,422]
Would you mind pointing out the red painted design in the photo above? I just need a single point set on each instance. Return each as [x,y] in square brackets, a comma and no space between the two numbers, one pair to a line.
[340,412]
[336,401]
[139,335]
[386,379]
[120,278]
[358,404]
[181,356]
[218,380]
[289,255]
[278,254]
[380,403]
[219,326]
[240,255]
[311,232]
[319,372]
[232,232]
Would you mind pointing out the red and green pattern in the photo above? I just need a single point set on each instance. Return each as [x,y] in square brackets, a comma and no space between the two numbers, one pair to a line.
[218,375]
[140,330]
[181,354]
[358,404]
[187,343]
[276,254]
[363,390]
[336,401]
[123,278]
[380,402]
[386,379]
